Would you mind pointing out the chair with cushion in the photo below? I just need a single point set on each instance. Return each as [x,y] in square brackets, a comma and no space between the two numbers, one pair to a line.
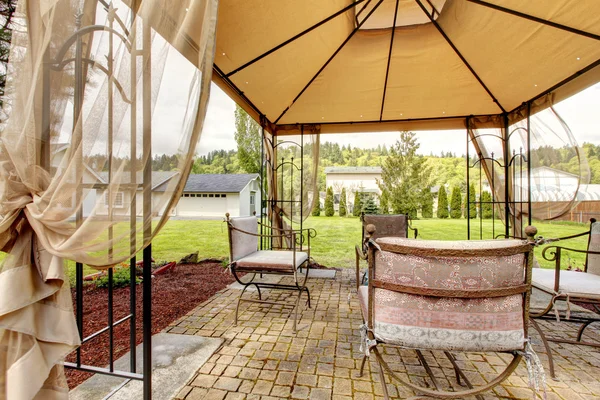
[386,225]
[563,287]
[440,298]
[247,260]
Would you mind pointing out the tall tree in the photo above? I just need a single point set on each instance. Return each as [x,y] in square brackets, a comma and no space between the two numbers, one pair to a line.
[329,211]
[455,203]
[404,175]
[426,203]
[384,207]
[442,209]
[343,210]
[248,138]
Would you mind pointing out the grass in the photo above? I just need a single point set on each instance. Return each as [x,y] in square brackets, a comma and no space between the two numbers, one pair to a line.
[336,238]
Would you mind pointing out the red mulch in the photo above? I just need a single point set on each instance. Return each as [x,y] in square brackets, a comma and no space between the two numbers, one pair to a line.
[173,295]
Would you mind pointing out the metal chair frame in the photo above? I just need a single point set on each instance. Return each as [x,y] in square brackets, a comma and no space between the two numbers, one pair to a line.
[293,237]
[554,253]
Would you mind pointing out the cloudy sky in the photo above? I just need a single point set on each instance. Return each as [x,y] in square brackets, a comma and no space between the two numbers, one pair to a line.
[581,112]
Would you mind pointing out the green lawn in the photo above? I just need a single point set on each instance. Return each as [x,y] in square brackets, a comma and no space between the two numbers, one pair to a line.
[336,238]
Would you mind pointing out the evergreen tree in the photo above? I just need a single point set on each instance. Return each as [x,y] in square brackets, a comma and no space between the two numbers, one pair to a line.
[455,203]
[384,208]
[470,203]
[370,207]
[442,210]
[486,206]
[357,204]
[404,175]
[343,210]
[426,203]
[316,211]
[329,211]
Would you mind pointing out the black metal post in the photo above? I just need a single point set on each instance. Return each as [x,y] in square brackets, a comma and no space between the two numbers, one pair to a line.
[147,198]
[468,163]
[529,211]
[506,155]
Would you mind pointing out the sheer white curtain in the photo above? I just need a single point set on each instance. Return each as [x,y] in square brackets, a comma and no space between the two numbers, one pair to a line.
[93,90]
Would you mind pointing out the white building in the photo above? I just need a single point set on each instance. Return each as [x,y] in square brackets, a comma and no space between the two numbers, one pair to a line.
[363,179]
[213,195]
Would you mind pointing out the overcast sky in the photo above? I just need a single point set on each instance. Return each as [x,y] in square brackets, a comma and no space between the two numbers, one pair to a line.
[581,112]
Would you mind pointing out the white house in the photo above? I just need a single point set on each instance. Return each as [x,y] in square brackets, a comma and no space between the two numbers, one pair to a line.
[363,179]
[213,195]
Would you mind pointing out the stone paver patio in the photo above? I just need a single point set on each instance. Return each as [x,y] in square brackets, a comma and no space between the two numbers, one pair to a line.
[262,358]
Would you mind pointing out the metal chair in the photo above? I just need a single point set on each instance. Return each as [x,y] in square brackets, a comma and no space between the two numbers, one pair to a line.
[387,225]
[561,285]
[246,258]
[446,297]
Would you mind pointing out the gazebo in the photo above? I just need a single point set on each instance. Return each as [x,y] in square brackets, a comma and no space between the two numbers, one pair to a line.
[89,72]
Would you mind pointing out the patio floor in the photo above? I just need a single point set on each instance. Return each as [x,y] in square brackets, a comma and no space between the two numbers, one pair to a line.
[263,359]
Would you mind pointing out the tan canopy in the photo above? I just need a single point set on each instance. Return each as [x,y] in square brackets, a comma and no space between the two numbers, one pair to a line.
[341,65]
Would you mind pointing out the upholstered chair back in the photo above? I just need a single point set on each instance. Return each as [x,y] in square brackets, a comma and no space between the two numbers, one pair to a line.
[243,244]
[593,260]
[454,295]
[387,225]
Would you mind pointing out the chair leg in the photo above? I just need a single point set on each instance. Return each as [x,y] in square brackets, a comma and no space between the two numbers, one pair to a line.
[362,365]
[237,308]
[582,328]
[386,395]
[546,346]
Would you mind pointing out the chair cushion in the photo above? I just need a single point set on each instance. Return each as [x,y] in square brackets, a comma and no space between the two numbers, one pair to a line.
[276,260]
[593,260]
[574,283]
[420,322]
[243,244]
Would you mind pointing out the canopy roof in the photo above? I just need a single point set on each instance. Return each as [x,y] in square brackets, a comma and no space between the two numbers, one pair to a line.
[339,64]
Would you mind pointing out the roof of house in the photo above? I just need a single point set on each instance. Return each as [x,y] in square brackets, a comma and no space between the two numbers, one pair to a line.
[223,183]
[352,170]
[159,178]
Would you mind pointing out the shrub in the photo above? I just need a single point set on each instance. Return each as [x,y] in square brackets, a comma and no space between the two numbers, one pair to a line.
[470,203]
[316,211]
[486,206]
[442,210]
[343,210]
[329,203]
[370,207]
[426,203]
[357,204]
[455,203]
[120,279]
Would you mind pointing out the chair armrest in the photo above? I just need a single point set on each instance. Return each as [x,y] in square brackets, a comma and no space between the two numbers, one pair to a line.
[409,225]
[553,253]
[360,255]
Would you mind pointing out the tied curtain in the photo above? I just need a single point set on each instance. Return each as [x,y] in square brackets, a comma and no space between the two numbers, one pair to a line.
[94,89]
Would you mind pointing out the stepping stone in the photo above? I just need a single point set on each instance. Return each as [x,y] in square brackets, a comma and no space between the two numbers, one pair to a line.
[175,359]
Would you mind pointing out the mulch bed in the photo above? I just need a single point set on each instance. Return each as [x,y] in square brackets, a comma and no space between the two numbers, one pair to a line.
[173,295]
